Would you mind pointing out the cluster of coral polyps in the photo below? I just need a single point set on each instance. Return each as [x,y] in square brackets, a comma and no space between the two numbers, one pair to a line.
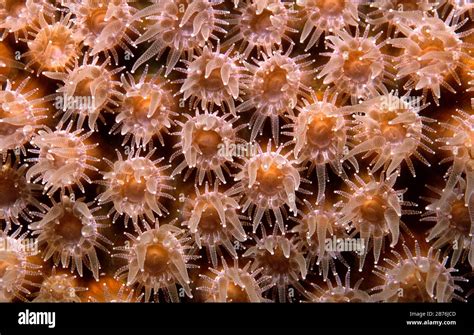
[253,150]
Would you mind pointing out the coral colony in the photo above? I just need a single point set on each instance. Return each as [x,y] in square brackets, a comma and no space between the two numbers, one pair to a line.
[236,151]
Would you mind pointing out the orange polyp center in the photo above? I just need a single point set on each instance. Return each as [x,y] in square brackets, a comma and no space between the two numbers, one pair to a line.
[207,141]
[140,107]
[96,20]
[3,268]
[141,104]
[373,210]
[53,47]
[428,44]
[57,40]
[57,53]
[261,22]
[276,263]
[83,88]
[236,293]
[157,259]
[356,67]
[269,180]
[57,36]
[69,227]
[14,7]
[59,161]
[394,133]
[5,264]
[210,222]
[274,82]
[460,217]
[213,83]
[9,190]
[331,7]
[320,131]
[134,190]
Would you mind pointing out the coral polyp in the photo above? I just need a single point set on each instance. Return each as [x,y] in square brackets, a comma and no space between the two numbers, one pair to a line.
[63,161]
[374,210]
[212,78]
[17,196]
[391,128]
[268,181]
[87,91]
[341,292]
[182,26]
[135,186]
[274,88]
[459,145]
[454,227]
[431,51]
[71,233]
[316,227]
[157,260]
[417,278]
[206,141]
[321,136]
[53,46]
[111,290]
[282,261]
[261,28]
[16,271]
[357,67]
[59,287]
[326,16]
[20,116]
[104,25]
[394,11]
[17,16]
[235,284]
[213,219]
[147,110]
